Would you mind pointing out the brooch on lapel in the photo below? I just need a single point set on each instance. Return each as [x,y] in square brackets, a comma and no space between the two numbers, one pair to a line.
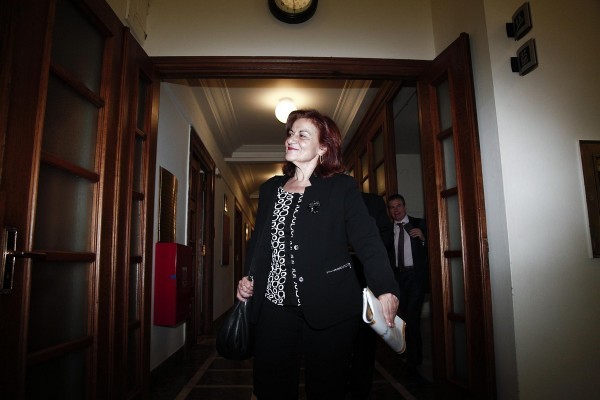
[313,206]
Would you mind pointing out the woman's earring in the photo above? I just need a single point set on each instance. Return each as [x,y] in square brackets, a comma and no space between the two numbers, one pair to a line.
[321,158]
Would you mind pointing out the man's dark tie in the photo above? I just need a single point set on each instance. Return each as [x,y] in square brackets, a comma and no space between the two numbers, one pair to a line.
[400,249]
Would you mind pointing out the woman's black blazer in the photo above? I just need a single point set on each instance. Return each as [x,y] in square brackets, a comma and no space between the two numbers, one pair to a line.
[332,219]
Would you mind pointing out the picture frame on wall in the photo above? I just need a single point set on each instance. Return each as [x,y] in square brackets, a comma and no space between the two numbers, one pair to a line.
[527,56]
[521,22]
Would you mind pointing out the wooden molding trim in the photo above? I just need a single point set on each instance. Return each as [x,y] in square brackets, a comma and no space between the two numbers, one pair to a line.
[287,67]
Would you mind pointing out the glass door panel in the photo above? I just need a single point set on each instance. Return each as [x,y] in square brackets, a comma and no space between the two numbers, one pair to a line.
[378,152]
[63,377]
[453,223]
[365,186]
[449,162]
[138,164]
[77,45]
[64,211]
[444,105]
[364,166]
[460,366]
[134,292]
[71,138]
[458,285]
[380,179]
[135,232]
[59,311]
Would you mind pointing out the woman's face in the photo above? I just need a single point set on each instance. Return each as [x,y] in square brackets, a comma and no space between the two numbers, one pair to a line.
[302,143]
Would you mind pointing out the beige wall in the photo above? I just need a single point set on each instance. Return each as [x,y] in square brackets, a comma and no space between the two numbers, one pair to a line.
[544,282]
[540,118]
[373,29]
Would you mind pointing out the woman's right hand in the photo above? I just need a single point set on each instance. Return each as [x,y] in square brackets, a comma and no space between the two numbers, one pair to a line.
[245,289]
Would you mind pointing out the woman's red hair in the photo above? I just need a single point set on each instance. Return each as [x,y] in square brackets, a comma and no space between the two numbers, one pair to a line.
[329,137]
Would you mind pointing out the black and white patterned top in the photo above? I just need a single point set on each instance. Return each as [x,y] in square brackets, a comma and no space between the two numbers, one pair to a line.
[282,283]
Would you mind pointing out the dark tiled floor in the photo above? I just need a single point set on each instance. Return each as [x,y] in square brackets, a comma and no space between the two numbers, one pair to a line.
[202,374]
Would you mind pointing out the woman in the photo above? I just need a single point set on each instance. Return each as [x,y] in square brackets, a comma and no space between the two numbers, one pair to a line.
[307,299]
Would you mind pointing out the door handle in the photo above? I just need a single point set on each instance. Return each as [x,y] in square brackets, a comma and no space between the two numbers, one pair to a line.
[9,255]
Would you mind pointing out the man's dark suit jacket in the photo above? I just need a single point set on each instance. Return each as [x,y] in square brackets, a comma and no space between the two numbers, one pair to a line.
[419,250]
[332,216]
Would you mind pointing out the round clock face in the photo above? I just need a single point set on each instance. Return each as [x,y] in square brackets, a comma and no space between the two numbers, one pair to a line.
[293,6]
[293,11]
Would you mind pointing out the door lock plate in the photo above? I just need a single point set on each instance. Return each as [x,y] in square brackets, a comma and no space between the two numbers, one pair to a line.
[7,263]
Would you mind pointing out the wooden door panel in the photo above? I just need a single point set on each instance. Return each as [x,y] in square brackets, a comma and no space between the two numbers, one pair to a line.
[202,208]
[139,119]
[65,183]
[460,288]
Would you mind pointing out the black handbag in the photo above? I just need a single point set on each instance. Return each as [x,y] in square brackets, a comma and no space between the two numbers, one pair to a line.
[235,337]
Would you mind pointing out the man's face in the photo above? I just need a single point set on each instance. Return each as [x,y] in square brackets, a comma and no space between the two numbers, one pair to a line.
[397,209]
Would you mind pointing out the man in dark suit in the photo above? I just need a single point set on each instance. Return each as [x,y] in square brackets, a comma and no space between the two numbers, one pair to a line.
[408,258]
[363,360]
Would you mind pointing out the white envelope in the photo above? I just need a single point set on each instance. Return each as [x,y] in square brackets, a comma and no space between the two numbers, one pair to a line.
[373,315]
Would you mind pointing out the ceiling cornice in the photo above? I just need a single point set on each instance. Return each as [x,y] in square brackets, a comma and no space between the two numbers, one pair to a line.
[217,96]
[257,154]
[349,103]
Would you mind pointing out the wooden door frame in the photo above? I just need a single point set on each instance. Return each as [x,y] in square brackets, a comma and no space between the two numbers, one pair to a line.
[238,240]
[24,75]
[404,72]
[136,66]
[454,65]
[203,294]
[184,67]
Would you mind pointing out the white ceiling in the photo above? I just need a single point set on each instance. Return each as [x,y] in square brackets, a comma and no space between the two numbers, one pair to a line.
[241,114]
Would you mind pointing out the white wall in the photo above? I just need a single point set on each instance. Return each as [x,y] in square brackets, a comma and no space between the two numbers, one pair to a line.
[225,184]
[544,282]
[175,119]
[541,117]
[172,143]
[373,29]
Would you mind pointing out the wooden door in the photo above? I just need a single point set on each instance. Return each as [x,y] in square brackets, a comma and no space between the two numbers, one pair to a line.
[133,287]
[460,288]
[58,183]
[201,235]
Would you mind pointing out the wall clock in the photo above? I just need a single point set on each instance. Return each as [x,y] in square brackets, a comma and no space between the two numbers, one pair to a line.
[293,11]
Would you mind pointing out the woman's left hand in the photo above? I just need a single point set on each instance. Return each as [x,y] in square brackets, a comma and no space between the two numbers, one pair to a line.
[389,302]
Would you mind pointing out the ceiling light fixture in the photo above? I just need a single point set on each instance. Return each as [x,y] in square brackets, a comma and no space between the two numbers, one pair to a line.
[284,108]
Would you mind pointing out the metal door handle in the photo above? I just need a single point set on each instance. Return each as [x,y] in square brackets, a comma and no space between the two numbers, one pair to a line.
[9,255]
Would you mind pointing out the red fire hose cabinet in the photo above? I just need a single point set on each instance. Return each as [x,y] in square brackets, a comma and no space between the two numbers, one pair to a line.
[172,283]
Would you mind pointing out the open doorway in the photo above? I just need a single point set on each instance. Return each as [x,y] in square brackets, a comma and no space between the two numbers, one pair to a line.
[462,353]
[409,177]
